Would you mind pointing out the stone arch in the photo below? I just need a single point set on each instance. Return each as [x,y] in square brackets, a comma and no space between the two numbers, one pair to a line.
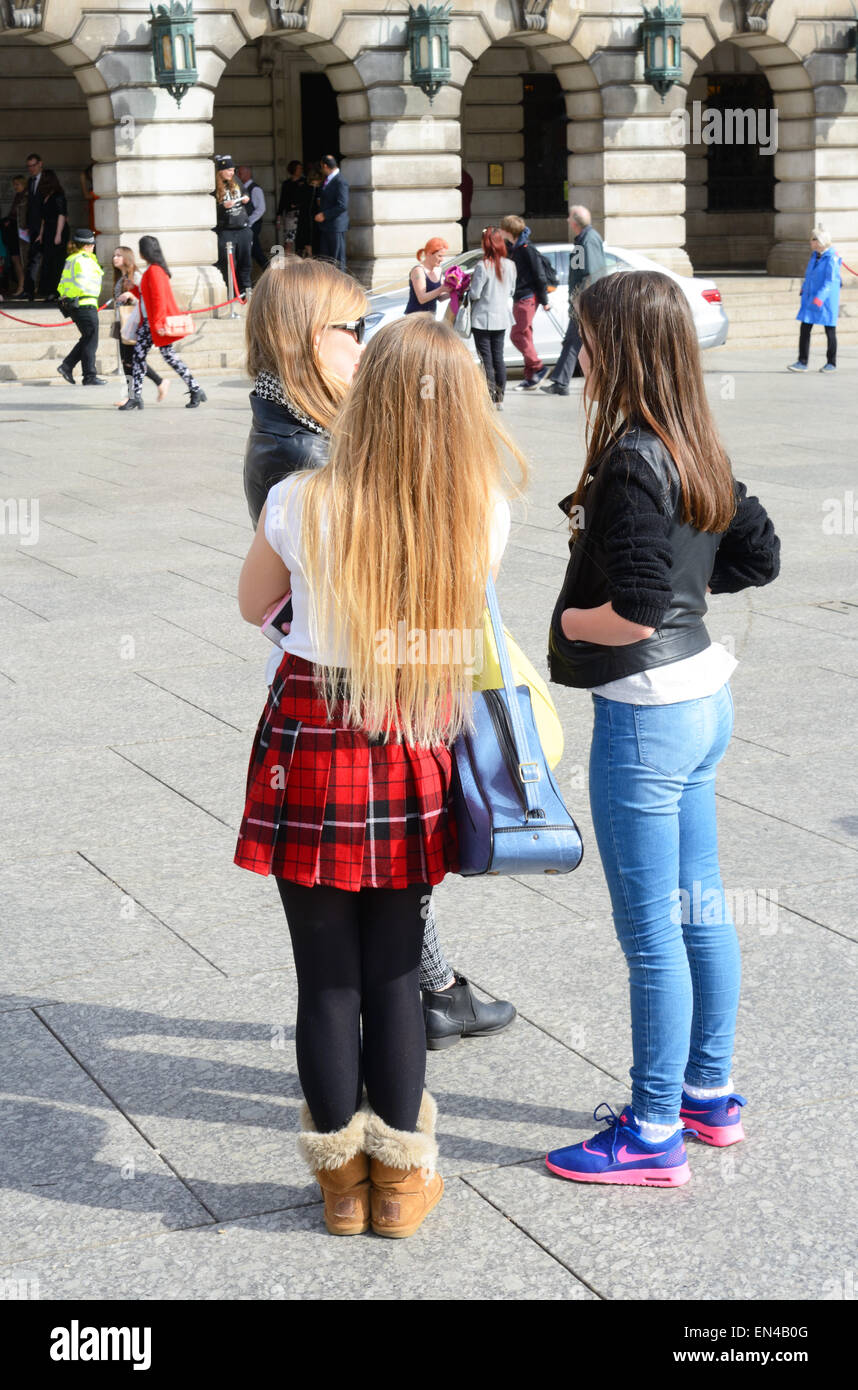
[795,158]
[494,129]
[43,79]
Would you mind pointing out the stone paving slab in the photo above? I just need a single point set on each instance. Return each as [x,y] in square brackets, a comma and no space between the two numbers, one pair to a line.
[73,1169]
[799,996]
[70,933]
[467,1251]
[208,1074]
[755,1222]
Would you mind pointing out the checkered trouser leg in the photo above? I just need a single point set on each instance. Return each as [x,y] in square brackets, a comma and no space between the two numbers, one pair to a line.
[435,970]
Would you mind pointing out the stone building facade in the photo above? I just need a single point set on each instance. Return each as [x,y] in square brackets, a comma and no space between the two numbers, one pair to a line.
[546,104]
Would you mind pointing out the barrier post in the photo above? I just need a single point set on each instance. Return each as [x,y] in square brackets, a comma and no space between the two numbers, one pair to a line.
[233,287]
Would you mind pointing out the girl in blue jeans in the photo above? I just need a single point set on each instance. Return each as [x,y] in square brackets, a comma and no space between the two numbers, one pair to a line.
[659,522]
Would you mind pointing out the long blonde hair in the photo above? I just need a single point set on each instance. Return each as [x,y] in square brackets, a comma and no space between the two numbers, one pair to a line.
[292,304]
[407,497]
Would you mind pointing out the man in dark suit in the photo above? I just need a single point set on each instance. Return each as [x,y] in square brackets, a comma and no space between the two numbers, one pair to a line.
[34,226]
[333,212]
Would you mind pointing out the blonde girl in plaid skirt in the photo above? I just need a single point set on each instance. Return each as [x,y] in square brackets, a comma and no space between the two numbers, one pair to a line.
[350,770]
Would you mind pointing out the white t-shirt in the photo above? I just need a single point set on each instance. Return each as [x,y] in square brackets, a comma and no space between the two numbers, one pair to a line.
[691,678]
[283,533]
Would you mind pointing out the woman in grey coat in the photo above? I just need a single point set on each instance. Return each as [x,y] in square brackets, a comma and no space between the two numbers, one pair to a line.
[492,284]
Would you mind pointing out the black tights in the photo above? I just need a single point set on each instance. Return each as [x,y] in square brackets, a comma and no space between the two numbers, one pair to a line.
[357,956]
[490,344]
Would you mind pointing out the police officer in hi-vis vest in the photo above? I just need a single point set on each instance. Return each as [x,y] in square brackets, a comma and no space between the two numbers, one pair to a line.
[78,290]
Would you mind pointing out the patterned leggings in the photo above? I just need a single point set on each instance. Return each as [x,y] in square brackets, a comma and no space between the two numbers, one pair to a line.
[142,347]
[435,969]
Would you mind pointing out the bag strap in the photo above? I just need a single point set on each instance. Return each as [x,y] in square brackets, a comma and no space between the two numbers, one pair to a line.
[528,770]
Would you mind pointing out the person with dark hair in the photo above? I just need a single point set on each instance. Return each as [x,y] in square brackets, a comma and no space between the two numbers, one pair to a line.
[233,224]
[333,212]
[126,274]
[666,523]
[255,213]
[54,234]
[79,288]
[12,225]
[157,307]
[491,288]
[31,234]
[293,210]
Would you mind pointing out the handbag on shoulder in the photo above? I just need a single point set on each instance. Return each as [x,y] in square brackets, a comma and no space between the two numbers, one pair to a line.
[177,326]
[510,816]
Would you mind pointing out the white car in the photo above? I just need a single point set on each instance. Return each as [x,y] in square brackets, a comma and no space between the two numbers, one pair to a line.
[703,296]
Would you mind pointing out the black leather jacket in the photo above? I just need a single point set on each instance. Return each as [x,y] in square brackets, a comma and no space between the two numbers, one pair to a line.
[681,631]
[278,444]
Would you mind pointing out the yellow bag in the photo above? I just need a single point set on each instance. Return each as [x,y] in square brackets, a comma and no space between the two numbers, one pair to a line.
[547,719]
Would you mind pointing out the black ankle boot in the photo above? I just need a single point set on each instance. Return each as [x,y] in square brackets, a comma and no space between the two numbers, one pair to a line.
[197,395]
[454,1013]
[133,403]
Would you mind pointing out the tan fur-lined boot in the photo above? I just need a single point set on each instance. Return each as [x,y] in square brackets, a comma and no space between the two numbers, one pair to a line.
[340,1165]
[405,1186]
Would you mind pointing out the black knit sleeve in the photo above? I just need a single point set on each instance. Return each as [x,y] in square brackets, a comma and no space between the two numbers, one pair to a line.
[749,553]
[635,527]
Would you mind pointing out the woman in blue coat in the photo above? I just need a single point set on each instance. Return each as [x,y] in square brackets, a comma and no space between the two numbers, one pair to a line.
[820,300]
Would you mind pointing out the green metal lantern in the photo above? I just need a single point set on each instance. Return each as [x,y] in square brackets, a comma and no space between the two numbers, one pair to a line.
[173,48]
[429,44]
[662,46]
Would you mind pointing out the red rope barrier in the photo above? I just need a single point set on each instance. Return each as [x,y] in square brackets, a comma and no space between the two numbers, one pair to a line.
[208,309]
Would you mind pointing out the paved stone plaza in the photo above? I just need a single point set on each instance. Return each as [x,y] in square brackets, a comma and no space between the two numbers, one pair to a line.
[150,1096]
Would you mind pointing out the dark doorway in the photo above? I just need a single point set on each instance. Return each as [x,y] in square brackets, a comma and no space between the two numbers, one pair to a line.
[320,119]
[739,178]
[545,146]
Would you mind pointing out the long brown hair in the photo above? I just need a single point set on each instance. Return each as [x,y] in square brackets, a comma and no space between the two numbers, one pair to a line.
[226,188]
[291,306]
[125,276]
[396,529]
[645,370]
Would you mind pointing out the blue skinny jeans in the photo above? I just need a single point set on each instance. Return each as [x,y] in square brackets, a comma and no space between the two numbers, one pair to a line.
[652,795]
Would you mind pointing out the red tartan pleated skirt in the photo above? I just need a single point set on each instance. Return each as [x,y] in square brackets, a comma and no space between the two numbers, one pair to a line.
[326,804]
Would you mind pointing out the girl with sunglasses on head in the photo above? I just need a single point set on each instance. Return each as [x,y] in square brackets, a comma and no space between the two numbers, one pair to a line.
[401,525]
[304,337]
[664,522]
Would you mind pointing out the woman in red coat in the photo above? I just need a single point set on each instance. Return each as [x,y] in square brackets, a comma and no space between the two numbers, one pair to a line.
[157,304]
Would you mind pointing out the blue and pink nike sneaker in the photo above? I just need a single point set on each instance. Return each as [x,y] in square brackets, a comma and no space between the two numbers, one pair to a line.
[620,1155]
[717,1122]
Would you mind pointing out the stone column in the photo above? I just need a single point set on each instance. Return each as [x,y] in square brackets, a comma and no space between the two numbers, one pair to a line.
[153,168]
[643,168]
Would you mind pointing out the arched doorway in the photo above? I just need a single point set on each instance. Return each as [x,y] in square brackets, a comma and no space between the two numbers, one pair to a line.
[522,142]
[758,75]
[274,104]
[730,177]
[43,111]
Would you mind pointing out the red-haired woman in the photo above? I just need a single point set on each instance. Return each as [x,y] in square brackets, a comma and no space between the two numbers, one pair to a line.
[425,286]
[492,284]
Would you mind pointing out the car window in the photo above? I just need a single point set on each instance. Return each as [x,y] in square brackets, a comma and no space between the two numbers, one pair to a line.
[560,261]
[615,263]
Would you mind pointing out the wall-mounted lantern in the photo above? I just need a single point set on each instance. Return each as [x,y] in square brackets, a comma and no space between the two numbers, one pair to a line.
[173,49]
[662,46]
[429,45]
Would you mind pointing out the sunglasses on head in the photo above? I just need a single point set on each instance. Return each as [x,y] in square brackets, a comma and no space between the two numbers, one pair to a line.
[357,328]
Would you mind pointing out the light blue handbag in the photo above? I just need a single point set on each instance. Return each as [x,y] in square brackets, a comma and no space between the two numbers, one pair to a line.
[509,813]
